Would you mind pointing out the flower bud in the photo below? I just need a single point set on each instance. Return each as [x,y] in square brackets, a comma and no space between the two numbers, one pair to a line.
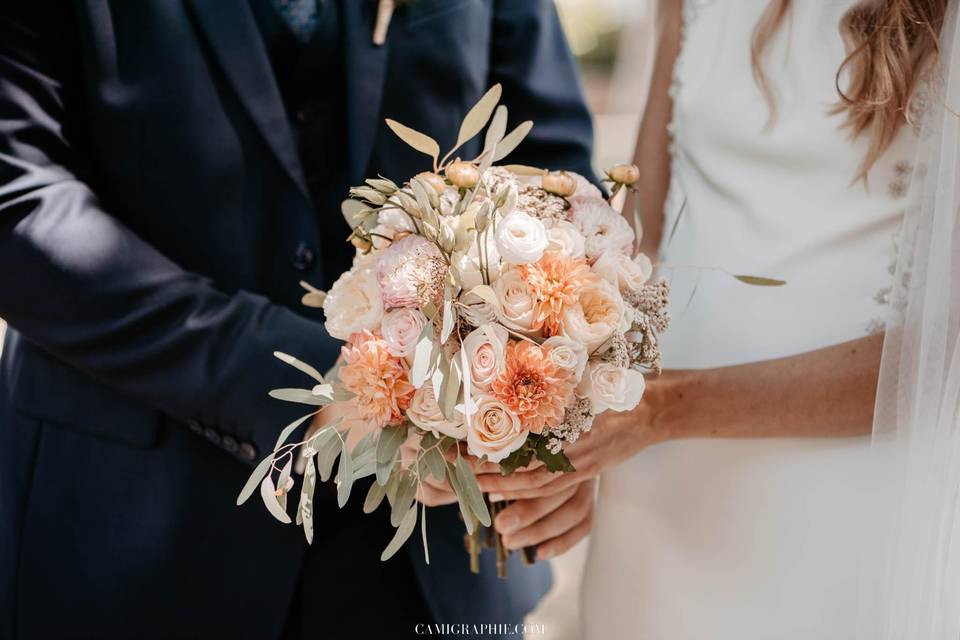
[447,238]
[559,183]
[463,175]
[433,180]
[369,194]
[624,173]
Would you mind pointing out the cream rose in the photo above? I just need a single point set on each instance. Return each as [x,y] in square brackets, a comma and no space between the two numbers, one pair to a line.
[629,275]
[400,329]
[566,238]
[599,313]
[610,387]
[353,304]
[485,350]
[517,304]
[567,354]
[426,414]
[521,238]
[495,430]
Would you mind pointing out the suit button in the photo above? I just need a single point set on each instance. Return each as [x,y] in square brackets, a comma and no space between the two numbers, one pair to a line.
[195,426]
[211,435]
[303,257]
[248,451]
[230,444]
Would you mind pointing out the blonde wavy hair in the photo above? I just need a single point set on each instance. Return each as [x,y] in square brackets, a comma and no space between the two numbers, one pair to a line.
[891,44]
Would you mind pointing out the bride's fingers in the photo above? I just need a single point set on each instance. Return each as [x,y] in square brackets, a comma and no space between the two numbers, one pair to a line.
[523,513]
[562,482]
[433,496]
[496,483]
[570,515]
[562,544]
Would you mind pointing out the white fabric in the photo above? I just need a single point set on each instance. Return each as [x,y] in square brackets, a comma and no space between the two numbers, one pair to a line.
[911,574]
[754,539]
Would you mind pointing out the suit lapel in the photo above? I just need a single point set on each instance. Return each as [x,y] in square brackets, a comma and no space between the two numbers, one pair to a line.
[233,34]
[366,71]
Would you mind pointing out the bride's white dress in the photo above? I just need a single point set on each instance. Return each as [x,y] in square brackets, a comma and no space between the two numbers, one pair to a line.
[754,539]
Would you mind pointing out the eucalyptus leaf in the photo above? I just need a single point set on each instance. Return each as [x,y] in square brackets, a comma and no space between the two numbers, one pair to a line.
[449,317]
[450,391]
[472,493]
[374,497]
[512,140]
[402,535]
[254,480]
[436,464]
[391,438]
[406,494]
[344,477]
[393,484]
[477,118]
[423,533]
[305,510]
[269,496]
[469,520]
[759,281]
[384,469]
[327,455]
[422,356]
[302,366]
[419,141]
[290,428]
[301,396]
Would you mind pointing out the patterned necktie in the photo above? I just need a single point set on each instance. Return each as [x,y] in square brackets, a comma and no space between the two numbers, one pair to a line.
[300,16]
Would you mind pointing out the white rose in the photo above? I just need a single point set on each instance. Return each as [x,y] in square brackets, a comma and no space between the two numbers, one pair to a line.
[485,350]
[468,263]
[610,387]
[400,329]
[495,430]
[629,275]
[567,354]
[517,304]
[353,304]
[426,414]
[603,228]
[598,315]
[566,238]
[521,238]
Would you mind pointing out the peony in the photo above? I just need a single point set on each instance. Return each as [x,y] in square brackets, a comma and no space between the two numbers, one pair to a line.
[533,386]
[598,315]
[495,431]
[485,350]
[468,263]
[629,275]
[353,304]
[426,414]
[521,238]
[400,329]
[567,354]
[565,238]
[410,271]
[379,381]
[602,227]
[610,387]
[585,188]
[518,306]
[555,281]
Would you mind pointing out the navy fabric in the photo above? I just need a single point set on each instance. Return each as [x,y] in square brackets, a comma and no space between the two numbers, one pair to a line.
[154,223]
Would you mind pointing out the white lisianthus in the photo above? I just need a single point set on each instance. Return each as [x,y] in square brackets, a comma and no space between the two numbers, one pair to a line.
[495,431]
[485,350]
[565,238]
[567,354]
[603,228]
[610,387]
[426,414]
[628,274]
[521,238]
[599,313]
[400,329]
[518,307]
[353,304]
[468,263]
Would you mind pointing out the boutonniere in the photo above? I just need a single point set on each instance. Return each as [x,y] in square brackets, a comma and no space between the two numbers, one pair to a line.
[385,9]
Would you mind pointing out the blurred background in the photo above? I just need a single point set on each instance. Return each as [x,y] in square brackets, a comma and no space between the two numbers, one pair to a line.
[613,42]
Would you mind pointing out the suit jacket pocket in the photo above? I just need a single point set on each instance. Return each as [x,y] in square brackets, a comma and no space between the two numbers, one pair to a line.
[57,394]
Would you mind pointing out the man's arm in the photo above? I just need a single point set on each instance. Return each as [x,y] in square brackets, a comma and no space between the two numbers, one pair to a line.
[82,286]
[529,56]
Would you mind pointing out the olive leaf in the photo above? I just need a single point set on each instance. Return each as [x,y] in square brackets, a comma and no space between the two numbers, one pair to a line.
[512,140]
[406,493]
[402,534]
[471,490]
[305,396]
[269,496]
[302,366]
[423,356]
[524,170]
[419,141]
[344,477]
[254,480]
[305,509]
[477,118]
[327,454]
[389,442]
[374,497]
[468,518]
[759,281]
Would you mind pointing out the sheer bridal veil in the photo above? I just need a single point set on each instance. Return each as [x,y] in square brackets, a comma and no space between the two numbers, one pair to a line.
[910,588]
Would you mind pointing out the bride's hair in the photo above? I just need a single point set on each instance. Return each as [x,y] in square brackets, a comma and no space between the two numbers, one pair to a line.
[891,45]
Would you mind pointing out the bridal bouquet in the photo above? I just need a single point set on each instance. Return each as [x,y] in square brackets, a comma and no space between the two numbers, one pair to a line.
[490,311]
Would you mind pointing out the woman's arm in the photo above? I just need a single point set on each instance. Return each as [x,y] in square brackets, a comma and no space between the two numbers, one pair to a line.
[652,154]
[825,393]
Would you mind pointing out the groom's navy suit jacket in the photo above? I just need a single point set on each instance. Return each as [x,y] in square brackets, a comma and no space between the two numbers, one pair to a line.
[154,225]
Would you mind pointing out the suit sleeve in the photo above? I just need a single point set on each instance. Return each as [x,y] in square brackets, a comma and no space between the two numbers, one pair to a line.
[79,284]
[531,59]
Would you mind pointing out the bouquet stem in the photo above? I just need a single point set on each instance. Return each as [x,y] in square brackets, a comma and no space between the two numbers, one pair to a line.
[474,550]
